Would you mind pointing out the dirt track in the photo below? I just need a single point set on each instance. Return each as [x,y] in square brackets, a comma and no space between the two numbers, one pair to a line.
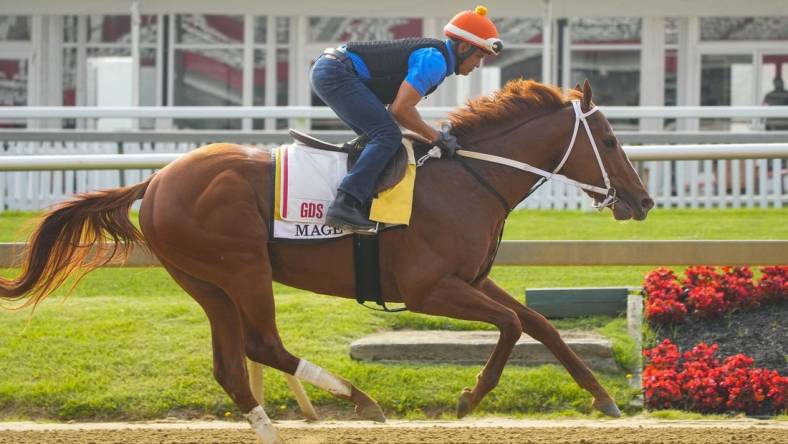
[475,432]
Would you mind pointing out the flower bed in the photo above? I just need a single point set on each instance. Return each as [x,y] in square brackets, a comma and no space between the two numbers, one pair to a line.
[700,382]
[707,293]
[723,305]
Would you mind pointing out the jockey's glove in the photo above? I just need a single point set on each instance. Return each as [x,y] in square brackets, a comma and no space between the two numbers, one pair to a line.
[447,142]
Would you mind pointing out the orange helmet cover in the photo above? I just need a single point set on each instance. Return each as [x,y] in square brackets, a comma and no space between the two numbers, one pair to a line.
[476,28]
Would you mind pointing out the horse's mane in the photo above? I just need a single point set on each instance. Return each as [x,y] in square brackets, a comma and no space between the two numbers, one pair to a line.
[519,99]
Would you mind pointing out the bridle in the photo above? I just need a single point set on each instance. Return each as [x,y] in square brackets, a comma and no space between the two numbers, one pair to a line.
[609,192]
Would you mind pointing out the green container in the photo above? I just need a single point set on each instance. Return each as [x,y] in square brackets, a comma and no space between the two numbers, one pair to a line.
[577,302]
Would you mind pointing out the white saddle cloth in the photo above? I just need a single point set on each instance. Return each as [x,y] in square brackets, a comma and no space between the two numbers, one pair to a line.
[306,183]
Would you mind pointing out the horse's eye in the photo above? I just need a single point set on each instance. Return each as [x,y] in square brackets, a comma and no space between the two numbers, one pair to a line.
[610,142]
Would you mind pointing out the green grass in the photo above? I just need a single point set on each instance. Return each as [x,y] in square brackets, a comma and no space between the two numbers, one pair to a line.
[661,224]
[129,344]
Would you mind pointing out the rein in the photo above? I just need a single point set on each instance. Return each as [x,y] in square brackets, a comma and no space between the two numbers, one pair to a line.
[609,192]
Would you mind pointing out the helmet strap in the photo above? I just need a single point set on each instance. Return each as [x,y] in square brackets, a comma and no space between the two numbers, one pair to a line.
[461,56]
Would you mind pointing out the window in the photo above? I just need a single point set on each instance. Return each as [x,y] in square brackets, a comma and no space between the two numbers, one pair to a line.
[743,28]
[15,28]
[208,66]
[342,29]
[13,87]
[282,67]
[117,29]
[726,80]
[606,51]
[107,36]
[522,55]
[615,31]
[614,75]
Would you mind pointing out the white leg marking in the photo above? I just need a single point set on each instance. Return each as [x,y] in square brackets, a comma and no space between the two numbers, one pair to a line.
[262,426]
[315,375]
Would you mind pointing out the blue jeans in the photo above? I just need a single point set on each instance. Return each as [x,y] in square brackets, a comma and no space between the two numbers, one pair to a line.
[341,89]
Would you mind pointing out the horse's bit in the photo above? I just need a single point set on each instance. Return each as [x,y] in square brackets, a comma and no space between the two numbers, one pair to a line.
[609,192]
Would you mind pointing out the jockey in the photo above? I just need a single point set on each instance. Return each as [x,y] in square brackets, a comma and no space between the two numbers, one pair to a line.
[358,79]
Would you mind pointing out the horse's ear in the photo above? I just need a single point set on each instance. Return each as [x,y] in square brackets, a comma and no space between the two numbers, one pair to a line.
[587,94]
[578,88]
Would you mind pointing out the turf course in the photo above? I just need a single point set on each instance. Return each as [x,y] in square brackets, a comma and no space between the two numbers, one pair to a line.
[129,344]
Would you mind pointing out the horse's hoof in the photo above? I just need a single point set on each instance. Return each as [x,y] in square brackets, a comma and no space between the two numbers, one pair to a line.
[609,408]
[465,404]
[371,411]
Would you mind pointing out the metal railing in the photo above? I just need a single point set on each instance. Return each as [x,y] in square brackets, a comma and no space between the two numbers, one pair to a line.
[309,112]
[159,160]
[281,136]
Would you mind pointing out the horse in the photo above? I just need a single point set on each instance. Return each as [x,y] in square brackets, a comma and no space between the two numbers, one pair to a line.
[206,218]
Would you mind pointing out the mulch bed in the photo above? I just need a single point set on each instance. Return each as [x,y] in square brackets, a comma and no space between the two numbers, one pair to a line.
[761,334]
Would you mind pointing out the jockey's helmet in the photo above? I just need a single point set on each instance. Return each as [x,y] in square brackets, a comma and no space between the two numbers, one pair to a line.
[476,28]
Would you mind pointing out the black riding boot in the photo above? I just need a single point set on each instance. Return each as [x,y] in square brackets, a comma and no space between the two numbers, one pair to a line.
[347,213]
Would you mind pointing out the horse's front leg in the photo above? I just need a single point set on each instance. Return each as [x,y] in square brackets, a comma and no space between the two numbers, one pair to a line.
[456,299]
[539,328]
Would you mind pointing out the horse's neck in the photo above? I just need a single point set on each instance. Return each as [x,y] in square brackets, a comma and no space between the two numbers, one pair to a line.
[539,143]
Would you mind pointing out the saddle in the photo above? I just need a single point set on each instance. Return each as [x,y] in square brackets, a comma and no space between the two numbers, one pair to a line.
[393,172]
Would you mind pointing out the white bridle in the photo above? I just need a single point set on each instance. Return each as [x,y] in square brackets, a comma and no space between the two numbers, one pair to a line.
[609,192]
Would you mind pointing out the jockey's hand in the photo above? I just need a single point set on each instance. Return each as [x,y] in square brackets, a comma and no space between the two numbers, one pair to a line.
[447,142]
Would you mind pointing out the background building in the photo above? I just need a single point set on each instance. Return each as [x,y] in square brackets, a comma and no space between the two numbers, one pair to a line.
[239,52]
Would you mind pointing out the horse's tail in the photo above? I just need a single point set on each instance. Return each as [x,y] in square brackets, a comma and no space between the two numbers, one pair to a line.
[80,234]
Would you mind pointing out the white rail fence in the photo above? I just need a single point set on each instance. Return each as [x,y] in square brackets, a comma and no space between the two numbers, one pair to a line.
[720,175]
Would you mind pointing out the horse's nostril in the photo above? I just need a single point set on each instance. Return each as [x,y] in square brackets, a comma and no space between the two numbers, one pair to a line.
[647,203]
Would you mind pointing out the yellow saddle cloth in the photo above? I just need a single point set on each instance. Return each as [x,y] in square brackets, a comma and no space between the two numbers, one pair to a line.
[394,206]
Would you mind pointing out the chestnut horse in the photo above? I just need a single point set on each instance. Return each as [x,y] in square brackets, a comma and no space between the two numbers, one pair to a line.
[206,216]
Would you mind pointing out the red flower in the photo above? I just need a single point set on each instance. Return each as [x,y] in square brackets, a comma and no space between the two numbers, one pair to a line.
[701,383]
[700,275]
[666,312]
[740,292]
[664,356]
[707,301]
[773,286]
[708,294]
[662,292]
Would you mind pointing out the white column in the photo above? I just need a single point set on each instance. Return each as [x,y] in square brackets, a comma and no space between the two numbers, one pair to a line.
[688,76]
[36,67]
[547,37]
[247,90]
[82,67]
[652,68]
[135,52]
[270,68]
[46,67]
[463,92]
[55,73]
[160,57]
[293,65]
[169,123]
[300,78]
[135,57]
[432,28]
[566,55]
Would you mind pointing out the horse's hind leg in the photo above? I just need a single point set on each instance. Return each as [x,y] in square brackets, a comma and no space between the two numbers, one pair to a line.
[253,294]
[454,298]
[229,364]
[536,326]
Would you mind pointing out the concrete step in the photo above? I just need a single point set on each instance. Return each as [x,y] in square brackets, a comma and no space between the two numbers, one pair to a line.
[475,347]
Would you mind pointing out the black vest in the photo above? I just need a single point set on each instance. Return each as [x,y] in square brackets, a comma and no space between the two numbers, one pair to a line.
[387,62]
